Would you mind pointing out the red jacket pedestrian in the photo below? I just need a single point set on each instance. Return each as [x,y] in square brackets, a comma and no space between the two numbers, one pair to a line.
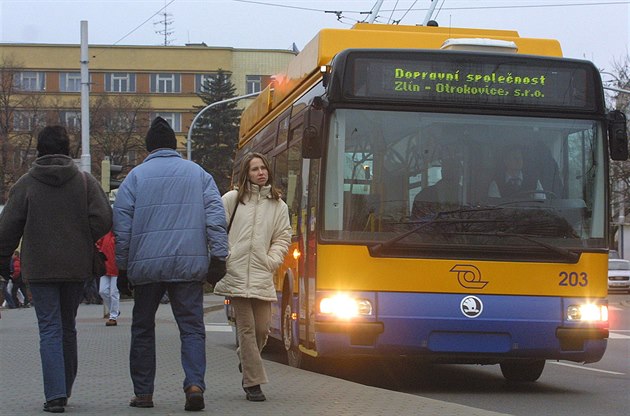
[107,246]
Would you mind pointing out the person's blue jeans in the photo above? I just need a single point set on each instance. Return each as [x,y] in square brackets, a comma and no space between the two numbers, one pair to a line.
[187,306]
[56,307]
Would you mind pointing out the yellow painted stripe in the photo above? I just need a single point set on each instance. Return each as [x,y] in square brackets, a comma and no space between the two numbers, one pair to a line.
[346,267]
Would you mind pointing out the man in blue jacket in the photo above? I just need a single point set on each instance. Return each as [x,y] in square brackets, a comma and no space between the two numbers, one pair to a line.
[169,221]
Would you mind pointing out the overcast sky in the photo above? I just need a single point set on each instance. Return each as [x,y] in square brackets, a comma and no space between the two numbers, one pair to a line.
[591,29]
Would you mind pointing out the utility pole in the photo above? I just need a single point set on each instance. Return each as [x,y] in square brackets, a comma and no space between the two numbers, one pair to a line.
[86,158]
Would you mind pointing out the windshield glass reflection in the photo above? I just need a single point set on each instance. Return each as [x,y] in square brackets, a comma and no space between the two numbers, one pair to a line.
[474,180]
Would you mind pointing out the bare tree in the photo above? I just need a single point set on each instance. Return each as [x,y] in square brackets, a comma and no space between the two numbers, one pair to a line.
[117,124]
[619,78]
[21,115]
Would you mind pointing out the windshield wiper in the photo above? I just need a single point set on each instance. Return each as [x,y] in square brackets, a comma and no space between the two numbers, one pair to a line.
[564,253]
[437,219]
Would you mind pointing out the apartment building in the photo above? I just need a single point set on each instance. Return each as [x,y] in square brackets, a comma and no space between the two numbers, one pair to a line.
[167,78]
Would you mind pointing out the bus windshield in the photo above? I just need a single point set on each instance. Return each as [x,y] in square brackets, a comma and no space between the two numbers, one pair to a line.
[444,180]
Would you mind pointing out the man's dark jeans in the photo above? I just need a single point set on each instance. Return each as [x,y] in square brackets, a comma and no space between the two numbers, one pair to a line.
[187,306]
[56,307]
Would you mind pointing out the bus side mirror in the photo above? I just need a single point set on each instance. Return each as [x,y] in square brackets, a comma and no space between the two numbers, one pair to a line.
[617,135]
[312,137]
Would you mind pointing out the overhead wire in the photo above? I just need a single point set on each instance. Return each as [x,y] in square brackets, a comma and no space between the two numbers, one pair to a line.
[439,10]
[143,23]
[408,10]
[340,13]
[392,13]
[530,6]
[137,27]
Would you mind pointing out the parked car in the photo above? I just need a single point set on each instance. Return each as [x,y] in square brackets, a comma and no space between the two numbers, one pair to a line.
[618,275]
[613,254]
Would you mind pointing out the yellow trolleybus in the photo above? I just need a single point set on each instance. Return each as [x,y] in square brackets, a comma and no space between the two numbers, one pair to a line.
[448,192]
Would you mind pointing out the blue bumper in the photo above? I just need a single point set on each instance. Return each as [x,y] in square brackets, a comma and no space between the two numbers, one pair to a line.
[442,326]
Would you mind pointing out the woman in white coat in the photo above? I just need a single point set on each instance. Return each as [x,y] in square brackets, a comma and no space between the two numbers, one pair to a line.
[259,238]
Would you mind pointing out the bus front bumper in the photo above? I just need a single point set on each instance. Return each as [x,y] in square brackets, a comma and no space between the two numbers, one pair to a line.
[361,333]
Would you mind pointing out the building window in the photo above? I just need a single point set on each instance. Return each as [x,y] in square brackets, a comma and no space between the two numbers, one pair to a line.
[120,82]
[70,82]
[28,120]
[165,83]
[71,119]
[253,83]
[30,81]
[174,119]
[201,80]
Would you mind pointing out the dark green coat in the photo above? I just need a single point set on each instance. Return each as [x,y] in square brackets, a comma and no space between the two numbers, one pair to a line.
[58,224]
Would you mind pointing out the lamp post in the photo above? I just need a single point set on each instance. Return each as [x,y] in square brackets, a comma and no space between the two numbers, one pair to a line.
[203,110]
[622,90]
[620,185]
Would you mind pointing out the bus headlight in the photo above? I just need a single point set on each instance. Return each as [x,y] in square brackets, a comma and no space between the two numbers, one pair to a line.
[588,312]
[344,306]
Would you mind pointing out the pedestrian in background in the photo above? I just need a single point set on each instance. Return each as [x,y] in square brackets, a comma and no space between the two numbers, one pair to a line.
[90,291]
[168,217]
[2,286]
[259,239]
[107,283]
[19,283]
[7,287]
[59,213]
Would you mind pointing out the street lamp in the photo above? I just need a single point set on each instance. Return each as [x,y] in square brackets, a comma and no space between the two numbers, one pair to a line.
[189,139]
[620,183]
[616,79]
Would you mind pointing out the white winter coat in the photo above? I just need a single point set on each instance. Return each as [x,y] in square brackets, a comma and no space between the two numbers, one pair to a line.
[259,239]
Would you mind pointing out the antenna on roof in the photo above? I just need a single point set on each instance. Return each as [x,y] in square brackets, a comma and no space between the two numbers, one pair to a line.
[167,21]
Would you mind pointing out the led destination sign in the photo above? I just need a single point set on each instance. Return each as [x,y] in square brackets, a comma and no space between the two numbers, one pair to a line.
[503,82]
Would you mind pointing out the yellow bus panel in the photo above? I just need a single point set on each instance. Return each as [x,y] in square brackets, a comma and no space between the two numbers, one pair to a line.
[328,42]
[348,267]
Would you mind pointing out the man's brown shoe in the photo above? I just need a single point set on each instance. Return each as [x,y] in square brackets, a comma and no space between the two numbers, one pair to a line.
[145,400]
[111,322]
[194,399]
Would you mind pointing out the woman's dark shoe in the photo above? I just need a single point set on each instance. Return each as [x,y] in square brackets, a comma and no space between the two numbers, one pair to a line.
[254,394]
[194,399]
[55,406]
[145,400]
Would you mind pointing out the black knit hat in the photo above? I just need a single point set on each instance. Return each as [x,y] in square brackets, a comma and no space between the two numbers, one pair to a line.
[53,140]
[160,135]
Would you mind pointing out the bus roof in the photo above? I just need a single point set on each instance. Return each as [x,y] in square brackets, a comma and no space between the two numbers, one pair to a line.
[328,42]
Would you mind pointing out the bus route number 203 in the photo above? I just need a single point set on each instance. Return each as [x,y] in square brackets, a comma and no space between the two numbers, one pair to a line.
[573,279]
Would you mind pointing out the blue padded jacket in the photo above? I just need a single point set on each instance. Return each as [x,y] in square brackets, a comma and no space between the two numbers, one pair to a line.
[168,220]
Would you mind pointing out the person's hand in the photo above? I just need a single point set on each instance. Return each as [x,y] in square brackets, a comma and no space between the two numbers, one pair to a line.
[122,283]
[216,270]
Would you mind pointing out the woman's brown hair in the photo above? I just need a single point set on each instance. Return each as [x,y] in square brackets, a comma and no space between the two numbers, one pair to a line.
[243,177]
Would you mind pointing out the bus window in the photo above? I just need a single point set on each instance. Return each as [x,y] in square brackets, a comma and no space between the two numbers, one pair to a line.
[294,187]
[281,173]
[283,131]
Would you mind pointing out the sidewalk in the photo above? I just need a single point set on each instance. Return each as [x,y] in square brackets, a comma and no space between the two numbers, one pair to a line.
[103,386]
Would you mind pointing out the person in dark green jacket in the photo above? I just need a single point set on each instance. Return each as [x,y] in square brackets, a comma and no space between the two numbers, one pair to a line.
[58,213]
